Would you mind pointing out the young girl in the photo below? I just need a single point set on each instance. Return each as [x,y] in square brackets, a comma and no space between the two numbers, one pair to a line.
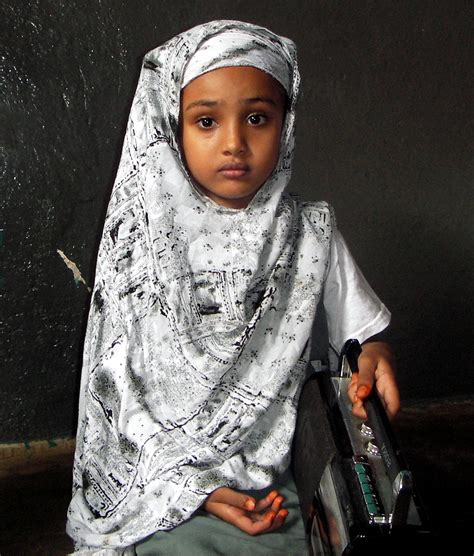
[207,284]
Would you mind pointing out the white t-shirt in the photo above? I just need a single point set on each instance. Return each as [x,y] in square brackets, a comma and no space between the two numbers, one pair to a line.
[353,310]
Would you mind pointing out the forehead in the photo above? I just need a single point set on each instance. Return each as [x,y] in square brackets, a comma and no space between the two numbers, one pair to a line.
[234,83]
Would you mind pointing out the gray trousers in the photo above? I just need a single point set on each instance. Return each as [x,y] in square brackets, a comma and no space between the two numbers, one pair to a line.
[206,535]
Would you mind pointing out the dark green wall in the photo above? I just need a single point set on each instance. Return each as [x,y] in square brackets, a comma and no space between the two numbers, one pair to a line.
[384,133]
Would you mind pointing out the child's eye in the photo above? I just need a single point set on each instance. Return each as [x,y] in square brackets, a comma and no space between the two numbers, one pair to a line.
[206,123]
[256,119]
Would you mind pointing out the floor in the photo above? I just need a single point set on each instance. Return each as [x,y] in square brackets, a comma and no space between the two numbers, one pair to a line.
[437,438]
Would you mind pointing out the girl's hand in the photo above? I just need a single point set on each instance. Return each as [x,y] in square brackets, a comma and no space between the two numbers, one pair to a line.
[376,363]
[245,513]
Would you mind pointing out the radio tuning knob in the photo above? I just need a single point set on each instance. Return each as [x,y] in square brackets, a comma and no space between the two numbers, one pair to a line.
[372,448]
[366,431]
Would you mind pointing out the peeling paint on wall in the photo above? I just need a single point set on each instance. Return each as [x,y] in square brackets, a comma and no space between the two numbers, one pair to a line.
[73,268]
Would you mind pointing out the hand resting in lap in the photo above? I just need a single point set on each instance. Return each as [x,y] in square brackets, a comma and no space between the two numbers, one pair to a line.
[244,512]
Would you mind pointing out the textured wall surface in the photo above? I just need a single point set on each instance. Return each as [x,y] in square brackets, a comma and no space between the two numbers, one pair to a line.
[384,133]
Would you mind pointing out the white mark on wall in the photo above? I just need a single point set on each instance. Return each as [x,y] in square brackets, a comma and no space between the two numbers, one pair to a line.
[85,89]
[73,268]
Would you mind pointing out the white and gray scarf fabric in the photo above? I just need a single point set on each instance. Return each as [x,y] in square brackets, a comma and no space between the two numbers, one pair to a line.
[197,342]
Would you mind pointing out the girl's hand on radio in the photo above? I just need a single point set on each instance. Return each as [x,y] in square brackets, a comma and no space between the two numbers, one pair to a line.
[376,364]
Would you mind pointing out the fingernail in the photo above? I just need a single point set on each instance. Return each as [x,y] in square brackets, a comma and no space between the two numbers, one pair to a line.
[249,504]
[363,391]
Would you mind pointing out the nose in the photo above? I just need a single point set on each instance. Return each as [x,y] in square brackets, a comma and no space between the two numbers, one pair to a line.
[234,140]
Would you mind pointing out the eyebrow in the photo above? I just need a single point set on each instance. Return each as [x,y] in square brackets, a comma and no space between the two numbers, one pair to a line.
[267,100]
[212,103]
[204,102]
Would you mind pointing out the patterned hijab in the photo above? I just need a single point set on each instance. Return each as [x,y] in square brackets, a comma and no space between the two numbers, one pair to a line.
[197,340]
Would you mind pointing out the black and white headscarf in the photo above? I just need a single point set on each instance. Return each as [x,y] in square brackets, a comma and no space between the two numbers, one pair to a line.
[197,341]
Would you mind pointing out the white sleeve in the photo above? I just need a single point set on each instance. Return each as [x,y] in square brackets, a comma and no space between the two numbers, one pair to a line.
[353,310]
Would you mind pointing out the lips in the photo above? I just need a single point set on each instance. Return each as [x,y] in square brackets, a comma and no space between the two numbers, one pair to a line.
[234,170]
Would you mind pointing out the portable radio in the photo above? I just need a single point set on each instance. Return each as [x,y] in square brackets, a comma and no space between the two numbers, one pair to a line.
[364,501]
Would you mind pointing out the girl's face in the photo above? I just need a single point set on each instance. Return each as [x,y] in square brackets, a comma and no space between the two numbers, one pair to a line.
[231,121]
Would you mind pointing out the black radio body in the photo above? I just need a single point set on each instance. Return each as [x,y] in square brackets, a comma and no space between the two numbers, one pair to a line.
[356,490]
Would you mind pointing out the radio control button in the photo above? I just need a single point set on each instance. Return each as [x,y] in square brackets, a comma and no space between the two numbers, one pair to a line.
[370,498]
[366,488]
[372,508]
[364,479]
[360,468]
[372,448]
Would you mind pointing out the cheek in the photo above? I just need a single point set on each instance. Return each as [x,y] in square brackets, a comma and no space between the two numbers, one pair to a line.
[274,151]
[194,156]
[188,147]
[194,143]
[274,140]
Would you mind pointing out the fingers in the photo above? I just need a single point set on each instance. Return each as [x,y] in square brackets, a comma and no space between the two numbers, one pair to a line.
[388,391]
[357,393]
[242,511]
[225,495]
[390,395]
[376,363]
[272,500]
[357,389]
[277,504]
[242,520]
[366,376]
[268,522]
[278,521]
[358,409]
[257,527]
[361,384]
[386,382]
